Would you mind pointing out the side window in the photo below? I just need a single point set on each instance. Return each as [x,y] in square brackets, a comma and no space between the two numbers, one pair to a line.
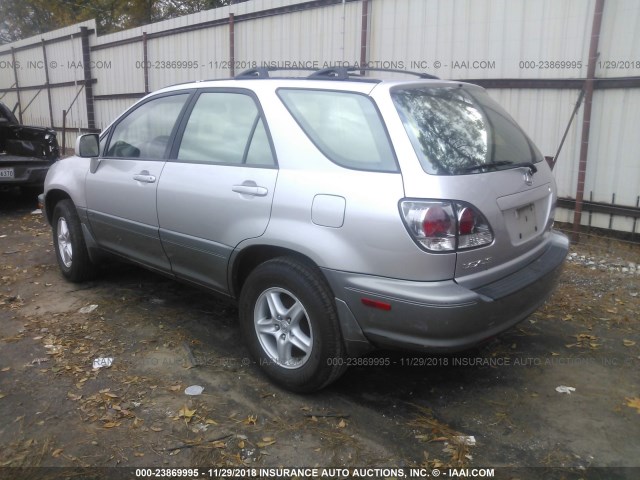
[145,132]
[345,126]
[225,128]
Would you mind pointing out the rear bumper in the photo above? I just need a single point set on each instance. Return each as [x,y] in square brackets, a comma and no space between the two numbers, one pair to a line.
[27,172]
[445,316]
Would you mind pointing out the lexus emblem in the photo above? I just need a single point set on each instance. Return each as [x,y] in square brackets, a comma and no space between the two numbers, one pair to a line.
[528,177]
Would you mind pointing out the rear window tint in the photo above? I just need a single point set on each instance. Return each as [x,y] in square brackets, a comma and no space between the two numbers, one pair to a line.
[457,130]
[345,126]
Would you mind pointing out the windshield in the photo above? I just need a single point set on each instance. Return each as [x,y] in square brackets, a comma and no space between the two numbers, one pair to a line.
[456,130]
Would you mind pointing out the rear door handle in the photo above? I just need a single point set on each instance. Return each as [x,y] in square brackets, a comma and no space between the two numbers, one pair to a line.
[144,177]
[249,187]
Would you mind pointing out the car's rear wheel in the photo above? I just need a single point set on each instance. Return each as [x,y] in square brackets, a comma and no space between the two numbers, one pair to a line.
[289,319]
[71,250]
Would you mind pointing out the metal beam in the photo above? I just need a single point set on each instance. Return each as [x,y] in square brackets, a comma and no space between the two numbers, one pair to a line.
[46,77]
[71,83]
[15,76]
[232,45]
[364,35]
[586,117]
[145,59]
[599,207]
[88,86]
[554,83]
[47,42]
[120,96]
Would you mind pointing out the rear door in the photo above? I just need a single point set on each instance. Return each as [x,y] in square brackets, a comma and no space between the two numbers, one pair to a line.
[121,191]
[217,188]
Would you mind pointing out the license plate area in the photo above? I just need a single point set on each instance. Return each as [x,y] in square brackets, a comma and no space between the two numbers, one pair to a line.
[7,173]
[525,222]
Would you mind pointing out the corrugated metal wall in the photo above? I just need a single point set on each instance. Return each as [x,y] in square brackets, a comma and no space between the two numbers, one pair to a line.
[458,39]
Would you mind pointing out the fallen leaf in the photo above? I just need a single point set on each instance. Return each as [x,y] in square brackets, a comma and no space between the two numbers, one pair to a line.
[111,424]
[209,421]
[250,420]
[175,388]
[2,395]
[138,454]
[5,369]
[184,412]
[56,453]
[156,429]
[73,396]
[628,343]
[634,403]
[241,444]
[342,423]
[265,444]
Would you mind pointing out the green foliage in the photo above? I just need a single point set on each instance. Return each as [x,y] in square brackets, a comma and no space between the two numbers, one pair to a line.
[25,18]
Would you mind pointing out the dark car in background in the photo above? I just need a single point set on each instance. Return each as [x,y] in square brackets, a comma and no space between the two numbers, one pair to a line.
[26,153]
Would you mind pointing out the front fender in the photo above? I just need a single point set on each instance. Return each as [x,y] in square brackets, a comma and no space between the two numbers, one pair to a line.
[66,179]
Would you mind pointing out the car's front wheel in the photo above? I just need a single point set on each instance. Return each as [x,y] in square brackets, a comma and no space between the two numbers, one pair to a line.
[289,319]
[71,250]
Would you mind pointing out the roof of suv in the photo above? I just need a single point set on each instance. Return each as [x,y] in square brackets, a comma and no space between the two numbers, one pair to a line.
[344,78]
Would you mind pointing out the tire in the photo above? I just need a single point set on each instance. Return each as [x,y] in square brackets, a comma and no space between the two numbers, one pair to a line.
[68,241]
[289,320]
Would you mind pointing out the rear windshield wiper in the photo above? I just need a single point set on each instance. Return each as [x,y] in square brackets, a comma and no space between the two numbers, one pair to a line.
[494,166]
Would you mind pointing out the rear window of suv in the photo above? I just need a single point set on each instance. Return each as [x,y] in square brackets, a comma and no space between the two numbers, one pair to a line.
[345,126]
[461,130]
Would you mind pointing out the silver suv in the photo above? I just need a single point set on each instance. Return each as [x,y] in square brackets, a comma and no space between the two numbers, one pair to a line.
[342,213]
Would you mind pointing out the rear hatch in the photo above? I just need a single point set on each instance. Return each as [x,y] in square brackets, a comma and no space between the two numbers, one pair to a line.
[480,178]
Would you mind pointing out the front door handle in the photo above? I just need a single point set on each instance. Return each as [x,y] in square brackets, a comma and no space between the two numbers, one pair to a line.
[249,187]
[144,177]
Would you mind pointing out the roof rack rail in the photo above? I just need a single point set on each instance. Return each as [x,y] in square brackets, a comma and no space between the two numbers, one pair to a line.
[260,72]
[343,73]
[332,73]
[263,72]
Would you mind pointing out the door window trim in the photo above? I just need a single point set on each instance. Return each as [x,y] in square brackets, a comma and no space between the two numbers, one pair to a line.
[172,136]
[182,126]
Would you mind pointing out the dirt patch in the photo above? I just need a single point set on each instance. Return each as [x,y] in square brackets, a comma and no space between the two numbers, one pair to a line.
[419,410]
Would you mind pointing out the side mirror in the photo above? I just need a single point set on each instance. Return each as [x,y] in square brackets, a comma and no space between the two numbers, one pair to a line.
[88,145]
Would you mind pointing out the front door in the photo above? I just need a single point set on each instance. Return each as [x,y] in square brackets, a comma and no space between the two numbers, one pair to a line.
[121,190]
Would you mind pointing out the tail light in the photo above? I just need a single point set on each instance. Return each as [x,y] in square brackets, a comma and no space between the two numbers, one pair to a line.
[442,226]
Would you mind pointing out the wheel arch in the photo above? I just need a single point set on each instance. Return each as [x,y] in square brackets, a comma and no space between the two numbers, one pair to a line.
[244,261]
[51,200]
